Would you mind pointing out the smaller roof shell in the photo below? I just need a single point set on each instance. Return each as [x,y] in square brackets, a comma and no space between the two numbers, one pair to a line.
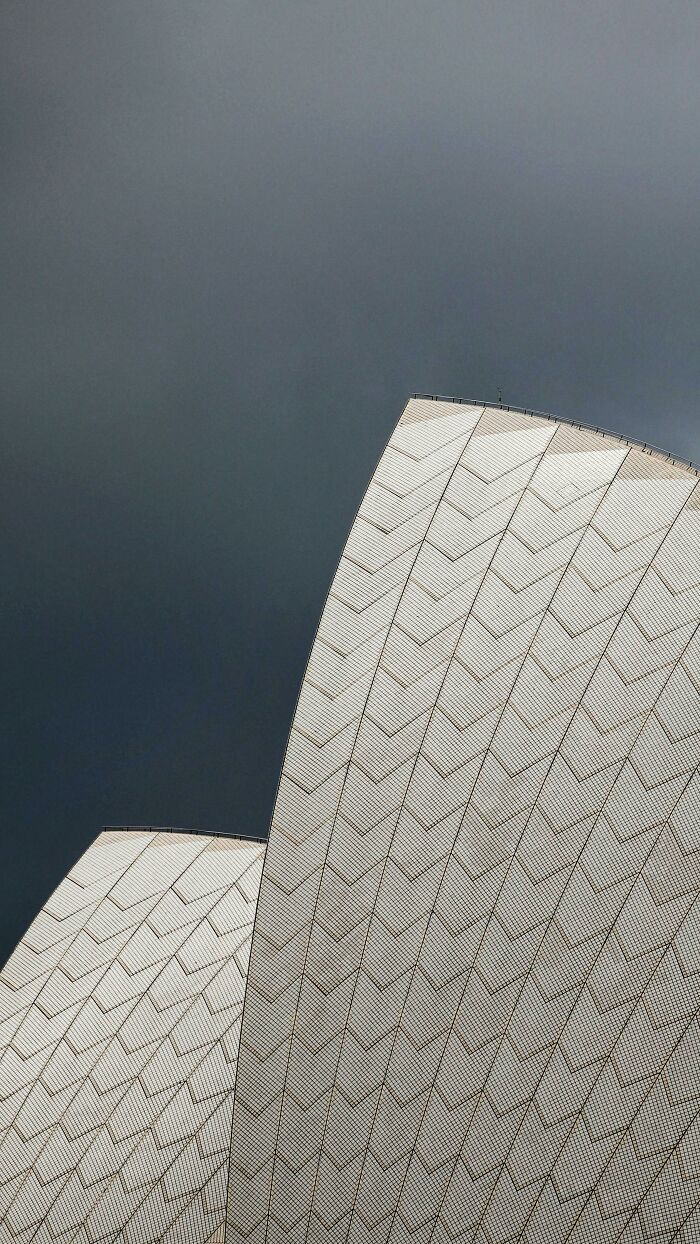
[119,1020]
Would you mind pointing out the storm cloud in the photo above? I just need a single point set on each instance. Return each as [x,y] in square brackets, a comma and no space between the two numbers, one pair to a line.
[235,236]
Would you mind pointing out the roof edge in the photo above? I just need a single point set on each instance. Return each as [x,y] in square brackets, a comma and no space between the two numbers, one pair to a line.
[647,446]
[173,829]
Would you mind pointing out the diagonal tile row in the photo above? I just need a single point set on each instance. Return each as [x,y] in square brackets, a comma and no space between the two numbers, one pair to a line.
[472,980]
[472,997]
[120,1016]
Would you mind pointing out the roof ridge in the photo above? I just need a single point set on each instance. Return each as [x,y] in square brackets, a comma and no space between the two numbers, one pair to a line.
[172,829]
[647,446]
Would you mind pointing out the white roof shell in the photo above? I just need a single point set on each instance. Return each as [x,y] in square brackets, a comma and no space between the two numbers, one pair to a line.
[119,1019]
[472,1006]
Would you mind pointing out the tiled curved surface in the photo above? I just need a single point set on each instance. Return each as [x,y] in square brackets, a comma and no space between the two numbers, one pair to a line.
[119,1021]
[472,1005]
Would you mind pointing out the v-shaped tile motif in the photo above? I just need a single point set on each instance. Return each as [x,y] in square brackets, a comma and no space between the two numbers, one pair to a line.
[473,997]
[120,1012]
[471,1012]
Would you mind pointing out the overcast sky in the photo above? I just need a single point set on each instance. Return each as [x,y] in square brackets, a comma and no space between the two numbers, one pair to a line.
[235,236]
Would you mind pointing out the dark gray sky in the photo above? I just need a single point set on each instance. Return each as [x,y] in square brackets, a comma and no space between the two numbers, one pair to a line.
[235,236]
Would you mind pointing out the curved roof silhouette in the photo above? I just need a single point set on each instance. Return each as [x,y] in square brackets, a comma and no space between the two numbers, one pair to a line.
[472,1007]
[473,996]
[119,1017]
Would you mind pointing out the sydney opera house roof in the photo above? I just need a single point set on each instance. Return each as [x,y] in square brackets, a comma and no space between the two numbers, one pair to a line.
[460,998]
[119,1021]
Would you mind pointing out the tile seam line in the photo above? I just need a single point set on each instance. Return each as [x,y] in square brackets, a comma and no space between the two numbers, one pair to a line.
[612,929]
[81,1006]
[227,1235]
[529,817]
[72,938]
[117,1175]
[648,446]
[154,1054]
[530,973]
[656,1080]
[457,833]
[422,543]
[194,1139]
[537,460]
[681,1226]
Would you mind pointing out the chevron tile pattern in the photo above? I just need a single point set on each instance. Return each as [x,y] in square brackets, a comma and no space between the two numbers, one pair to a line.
[474,985]
[119,1022]
[472,1009]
